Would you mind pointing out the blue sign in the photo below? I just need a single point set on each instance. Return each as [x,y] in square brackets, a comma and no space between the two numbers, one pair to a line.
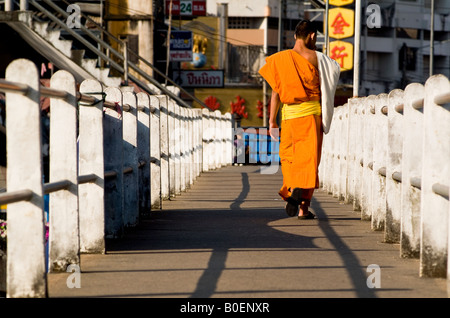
[181,46]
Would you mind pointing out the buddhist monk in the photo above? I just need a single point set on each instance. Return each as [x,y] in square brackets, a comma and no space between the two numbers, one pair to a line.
[303,83]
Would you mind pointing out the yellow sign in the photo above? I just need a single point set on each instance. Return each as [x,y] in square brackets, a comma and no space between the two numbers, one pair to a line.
[339,3]
[341,23]
[342,52]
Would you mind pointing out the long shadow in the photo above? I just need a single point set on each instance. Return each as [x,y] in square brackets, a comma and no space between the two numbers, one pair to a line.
[352,264]
[233,228]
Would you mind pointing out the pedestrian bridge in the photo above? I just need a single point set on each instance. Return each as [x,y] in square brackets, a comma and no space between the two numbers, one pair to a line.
[145,199]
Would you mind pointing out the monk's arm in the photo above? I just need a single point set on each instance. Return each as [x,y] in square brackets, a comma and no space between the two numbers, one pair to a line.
[274,106]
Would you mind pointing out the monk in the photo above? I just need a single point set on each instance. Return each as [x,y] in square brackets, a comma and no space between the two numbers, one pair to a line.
[304,82]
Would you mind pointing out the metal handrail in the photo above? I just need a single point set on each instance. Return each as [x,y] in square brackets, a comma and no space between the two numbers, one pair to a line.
[119,68]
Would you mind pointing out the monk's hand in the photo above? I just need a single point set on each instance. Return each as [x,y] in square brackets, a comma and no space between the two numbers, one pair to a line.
[274,131]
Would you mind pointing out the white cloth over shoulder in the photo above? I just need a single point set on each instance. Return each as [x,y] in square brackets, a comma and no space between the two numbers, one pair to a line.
[329,71]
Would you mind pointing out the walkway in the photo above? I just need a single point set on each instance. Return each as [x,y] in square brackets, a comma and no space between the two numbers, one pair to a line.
[229,237]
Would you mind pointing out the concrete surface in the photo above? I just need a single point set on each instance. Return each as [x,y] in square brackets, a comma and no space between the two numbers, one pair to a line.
[228,236]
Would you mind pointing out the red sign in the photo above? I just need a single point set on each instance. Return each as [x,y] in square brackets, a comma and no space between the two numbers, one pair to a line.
[186,7]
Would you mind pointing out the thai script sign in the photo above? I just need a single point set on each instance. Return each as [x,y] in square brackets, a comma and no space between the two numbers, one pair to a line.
[201,78]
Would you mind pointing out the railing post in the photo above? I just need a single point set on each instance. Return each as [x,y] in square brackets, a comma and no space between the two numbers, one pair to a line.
[380,143]
[343,154]
[190,134]
[435,169]
[359,154]
[183,149]
[164,135]
[91,196]
[26,275]
[155,153]
[9,5]
[143,148]
[411,167]
[64,247]
[23,5]
[205,138]
[325,160]
[217,139]
[229,139]
[198,133]
[130,160]
[353,137]
[172,141]
[113,157]
[395,137]
[212,140]
[366,211]
[336,150]
[178,132]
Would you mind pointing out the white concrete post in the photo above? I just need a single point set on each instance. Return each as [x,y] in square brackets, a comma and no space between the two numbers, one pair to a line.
[143,148]
[205,138]
[164,135]
[155,154]
[393,163]
[198,129]
[64,242]
[435,167]
[113,157]
[9,5]
[172,142]
[336,150]
[343,177]
[411,168]
[380,144]
[229,139]
[366,198]
[177,144]
[91,195]
[222,140]
[351,149]
[191,146]
[359,154]
[130,160]
[213,141]
[183,149]
[326,160]
[218,139]
[25,269]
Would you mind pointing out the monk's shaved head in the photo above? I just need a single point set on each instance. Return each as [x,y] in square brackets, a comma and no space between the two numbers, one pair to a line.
[304,28]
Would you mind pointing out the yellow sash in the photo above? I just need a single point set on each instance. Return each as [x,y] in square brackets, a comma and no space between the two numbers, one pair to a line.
[301,110]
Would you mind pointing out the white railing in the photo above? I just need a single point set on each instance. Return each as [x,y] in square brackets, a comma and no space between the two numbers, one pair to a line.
[113,154]
[389,156]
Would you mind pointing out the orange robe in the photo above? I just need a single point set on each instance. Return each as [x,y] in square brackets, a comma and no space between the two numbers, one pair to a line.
[296,80]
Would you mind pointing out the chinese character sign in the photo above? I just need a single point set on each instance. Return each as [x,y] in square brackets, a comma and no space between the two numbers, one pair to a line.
[342,52]
[341,23]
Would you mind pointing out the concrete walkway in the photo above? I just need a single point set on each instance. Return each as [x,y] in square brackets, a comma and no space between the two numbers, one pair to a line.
[228,236]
